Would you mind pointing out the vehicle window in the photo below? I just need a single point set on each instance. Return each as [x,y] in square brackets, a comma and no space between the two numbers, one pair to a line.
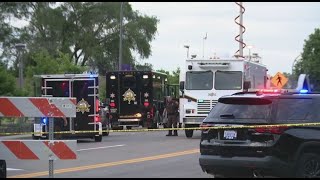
[199,80]
[129,81]
[294,109]
[228,80]
[240,108]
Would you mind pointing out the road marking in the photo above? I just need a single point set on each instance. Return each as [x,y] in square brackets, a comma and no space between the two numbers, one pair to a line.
[13,169]
[104,147]
[102,165]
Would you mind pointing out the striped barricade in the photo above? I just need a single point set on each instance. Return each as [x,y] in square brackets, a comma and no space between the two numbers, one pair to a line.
[38,149]
[37,107]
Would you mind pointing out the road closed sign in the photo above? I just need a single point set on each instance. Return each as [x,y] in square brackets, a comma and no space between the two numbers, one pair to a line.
[279,80]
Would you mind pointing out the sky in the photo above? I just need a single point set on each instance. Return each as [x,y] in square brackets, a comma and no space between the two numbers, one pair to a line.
[276,31]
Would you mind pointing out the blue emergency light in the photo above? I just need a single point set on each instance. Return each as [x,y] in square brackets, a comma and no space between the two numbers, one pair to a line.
[44,120]
[303,91]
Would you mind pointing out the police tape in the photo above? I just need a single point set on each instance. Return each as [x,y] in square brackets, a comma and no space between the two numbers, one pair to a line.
[215,126]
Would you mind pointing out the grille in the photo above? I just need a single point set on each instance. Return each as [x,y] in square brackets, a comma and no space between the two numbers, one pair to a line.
[205,106]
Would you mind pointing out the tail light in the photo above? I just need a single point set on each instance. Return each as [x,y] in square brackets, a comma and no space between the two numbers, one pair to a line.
[205,127]
[272,130]
[97,119]
[112,104]
[146,104]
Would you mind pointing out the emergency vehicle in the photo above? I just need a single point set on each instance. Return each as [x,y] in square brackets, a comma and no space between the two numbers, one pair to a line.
[82,86]
[204,81]
[135,98]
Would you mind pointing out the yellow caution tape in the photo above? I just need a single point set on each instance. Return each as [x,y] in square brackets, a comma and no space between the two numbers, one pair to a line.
[166,129]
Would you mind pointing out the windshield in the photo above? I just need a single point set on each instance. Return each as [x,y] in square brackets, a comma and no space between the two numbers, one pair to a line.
[199,80]
[240,108]
[228,80]
[129,81]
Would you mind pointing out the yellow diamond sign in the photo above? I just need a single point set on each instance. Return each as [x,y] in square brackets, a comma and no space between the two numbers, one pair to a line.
[279,80]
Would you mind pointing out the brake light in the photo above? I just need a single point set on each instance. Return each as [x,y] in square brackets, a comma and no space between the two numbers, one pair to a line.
[270,91]
[272,130]
[146,104]
[112,104]
[205,127]
[97,119]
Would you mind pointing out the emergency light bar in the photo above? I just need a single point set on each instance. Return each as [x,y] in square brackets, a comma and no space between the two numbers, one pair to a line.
[213,64]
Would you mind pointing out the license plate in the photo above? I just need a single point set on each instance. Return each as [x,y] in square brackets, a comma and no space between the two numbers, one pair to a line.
[230,134]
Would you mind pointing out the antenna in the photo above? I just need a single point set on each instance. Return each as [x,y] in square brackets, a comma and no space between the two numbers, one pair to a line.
[242,29]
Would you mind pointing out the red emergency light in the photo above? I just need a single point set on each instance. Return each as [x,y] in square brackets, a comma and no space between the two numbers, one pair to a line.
[97,119]
[112,104]
[146,104]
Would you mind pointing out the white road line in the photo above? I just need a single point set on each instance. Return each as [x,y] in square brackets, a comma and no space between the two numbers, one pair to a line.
[104,147]
[13,169]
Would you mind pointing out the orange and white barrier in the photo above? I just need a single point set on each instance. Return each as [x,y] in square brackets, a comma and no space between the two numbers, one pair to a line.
[38,150]
[37,107]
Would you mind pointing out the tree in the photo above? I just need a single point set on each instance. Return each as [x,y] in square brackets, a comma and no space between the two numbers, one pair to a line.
[172,78]
[87,31]
[144,67]
[310,60]
[44,63]
[7,82]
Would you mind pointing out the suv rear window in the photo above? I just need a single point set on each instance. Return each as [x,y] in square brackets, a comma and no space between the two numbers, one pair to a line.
[294,109]
[240,108]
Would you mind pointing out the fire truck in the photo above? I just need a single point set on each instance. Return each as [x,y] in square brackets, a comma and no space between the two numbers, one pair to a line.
[204,81]
[85,88]
[135,98]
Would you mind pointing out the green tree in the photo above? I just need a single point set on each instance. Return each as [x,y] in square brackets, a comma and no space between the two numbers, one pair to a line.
[310,60]
[44,63]
[87,31]
[173,77]
[7,82]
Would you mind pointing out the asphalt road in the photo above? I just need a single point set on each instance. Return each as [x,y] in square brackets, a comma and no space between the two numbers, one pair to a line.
[123,155]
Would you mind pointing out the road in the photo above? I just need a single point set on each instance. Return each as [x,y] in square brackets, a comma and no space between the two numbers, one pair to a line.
[123,155]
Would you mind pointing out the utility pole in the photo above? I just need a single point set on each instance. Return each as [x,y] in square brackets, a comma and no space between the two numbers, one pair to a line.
[120,44]
[241,32]
[20,47]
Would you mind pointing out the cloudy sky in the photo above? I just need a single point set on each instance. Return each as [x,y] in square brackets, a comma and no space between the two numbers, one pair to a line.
[275,30]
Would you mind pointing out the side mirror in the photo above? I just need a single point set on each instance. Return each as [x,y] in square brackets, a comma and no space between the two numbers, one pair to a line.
[246,85]
[181,86]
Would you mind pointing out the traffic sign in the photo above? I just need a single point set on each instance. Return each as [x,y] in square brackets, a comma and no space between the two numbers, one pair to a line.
[279,80]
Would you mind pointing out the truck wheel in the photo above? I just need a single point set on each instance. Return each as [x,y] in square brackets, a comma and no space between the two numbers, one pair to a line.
[35,137]
[129,127]
[308,166]
[98,138]
[189,133]
[3,169]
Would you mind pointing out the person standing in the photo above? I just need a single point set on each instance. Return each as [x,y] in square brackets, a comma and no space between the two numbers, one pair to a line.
[172,111]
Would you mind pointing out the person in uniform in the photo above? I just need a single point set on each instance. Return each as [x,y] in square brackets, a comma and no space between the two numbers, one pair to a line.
[172,107]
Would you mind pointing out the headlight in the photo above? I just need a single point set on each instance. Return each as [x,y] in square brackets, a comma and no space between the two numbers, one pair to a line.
[138,115]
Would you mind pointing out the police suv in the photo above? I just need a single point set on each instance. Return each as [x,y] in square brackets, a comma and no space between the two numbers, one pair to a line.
[291,148]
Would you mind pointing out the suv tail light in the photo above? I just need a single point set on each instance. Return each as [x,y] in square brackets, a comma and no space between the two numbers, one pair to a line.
[205,127]
[272,130]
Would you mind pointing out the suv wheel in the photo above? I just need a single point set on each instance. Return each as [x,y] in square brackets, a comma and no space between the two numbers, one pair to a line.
[189,133]
[308,166]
